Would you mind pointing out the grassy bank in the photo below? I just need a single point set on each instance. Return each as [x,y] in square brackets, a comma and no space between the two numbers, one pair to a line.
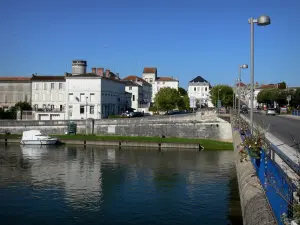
[206,143]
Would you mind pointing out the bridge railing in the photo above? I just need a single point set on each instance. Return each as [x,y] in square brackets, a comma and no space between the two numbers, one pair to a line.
[280,188]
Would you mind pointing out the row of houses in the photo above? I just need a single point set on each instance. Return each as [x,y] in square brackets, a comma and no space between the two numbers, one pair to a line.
[79,96]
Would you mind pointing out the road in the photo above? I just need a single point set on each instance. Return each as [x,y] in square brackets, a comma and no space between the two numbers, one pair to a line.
[284,128]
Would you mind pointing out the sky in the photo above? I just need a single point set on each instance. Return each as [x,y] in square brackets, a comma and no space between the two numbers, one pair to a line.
[183,39]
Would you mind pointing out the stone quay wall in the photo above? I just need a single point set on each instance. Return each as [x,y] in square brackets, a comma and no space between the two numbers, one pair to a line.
[255,207]
[204,125]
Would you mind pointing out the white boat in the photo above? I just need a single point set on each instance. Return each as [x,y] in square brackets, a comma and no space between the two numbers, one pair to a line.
[35,137]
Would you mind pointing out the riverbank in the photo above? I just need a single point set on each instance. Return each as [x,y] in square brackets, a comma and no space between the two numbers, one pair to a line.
[167,142]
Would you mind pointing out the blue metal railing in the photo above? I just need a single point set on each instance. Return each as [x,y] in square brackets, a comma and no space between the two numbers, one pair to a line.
[296,112]
[279,188]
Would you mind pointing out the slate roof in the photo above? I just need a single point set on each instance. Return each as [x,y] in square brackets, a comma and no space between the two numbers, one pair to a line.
[198,79]
[48,78]
[130,83]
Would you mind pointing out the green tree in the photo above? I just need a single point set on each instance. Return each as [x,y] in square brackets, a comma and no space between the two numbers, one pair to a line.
[182,91]
[225,95]
[23,106]
[282,85]
[167,99]
[184,103]
[268,96]
[296,97]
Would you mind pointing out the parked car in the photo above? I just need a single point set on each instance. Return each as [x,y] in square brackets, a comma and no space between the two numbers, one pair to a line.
[271,111]
[244,110]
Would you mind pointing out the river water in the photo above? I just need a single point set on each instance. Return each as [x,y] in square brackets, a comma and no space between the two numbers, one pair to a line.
[73,185]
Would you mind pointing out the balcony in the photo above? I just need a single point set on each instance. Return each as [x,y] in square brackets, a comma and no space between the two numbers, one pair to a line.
[62,110]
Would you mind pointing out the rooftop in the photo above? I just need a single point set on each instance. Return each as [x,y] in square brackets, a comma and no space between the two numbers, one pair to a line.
[14,78]
[130,83]
[267,86]
[165,79]
[150,70]
[241,84]
[199,79]
[47,78]
[135,78]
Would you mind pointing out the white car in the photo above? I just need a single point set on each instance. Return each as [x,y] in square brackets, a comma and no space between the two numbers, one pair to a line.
[271,111]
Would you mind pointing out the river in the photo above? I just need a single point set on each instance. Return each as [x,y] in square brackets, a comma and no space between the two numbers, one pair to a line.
[106,185]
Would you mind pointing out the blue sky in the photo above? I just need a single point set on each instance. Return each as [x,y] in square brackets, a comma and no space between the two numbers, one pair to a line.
[182,39]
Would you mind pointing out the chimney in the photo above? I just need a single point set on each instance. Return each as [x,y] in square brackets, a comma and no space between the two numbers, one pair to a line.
[107,71]
[100,71]
[94,70]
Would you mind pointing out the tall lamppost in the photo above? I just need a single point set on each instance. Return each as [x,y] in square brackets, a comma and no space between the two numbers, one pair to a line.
[219,96]
[86,109]
[244,66]
[235,92]
[261,21]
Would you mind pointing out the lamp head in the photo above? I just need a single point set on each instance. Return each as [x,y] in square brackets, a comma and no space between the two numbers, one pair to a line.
[263,20]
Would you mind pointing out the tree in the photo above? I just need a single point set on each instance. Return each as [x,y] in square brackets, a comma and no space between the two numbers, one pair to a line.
[23,106]
[184,103]
[282,85]
[182,91]
[225,95]
[167,99]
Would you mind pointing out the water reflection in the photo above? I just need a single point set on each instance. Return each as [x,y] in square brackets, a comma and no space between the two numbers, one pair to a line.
[120,186]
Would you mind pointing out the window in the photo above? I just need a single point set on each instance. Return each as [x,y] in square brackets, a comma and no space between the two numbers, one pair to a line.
[201,88]
[91,109]
[164,82]
[52,86]
[205,88]
[198,89]
[45,86]
[26,98]
[194,89]
[81,109]
[71,97]
[92,97]
[70,107]
[151,80]
[52,107]
[82,97]
[133,97]
[60,86]
[130,88]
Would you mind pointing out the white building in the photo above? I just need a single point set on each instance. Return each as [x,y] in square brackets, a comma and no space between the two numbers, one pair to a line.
[48,97]
[145,98]
[136,91]
[199,89]
[93,96]
[150,75]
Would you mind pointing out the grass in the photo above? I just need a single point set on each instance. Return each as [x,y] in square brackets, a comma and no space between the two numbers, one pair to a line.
[206,143]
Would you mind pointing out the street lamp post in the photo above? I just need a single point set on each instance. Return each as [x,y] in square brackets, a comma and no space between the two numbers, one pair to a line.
[86,109]
[244,66]
[261,21]
[218,96]
[235,92]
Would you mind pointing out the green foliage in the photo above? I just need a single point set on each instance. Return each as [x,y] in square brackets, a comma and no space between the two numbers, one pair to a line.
[167,99]
[225,95]
[182,91]
[296,97]
[282,85]
[184,103]
[11,113]
[23,106]
[153,108]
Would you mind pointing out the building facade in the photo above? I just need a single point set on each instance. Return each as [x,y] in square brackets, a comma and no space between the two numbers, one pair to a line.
[48,97]
[93,96]
[136,91]
[13,90]
[198,89]
[150,76]
[145,98]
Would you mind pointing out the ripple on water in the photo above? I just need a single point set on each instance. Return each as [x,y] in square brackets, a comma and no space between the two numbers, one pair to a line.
[110,186]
